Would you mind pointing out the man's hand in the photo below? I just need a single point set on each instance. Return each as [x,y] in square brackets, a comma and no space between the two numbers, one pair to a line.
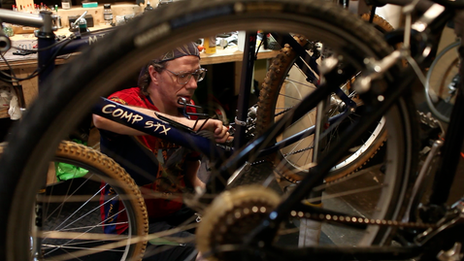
[221,132]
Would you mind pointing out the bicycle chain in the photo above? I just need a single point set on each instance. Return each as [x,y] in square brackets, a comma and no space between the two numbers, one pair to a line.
[298,151]
[359,220]
[240,213]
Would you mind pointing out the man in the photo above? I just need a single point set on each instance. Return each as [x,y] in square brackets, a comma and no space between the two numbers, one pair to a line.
[158,166]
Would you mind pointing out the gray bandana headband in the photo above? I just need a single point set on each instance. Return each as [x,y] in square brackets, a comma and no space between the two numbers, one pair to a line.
[184,50]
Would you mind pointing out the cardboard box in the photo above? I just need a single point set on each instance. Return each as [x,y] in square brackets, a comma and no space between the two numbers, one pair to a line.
[19,29]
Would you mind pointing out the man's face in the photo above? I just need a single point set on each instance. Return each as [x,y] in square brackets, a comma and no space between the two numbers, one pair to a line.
[171,88]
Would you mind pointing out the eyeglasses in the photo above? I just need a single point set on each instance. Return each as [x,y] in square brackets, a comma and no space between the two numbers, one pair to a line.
[183,78]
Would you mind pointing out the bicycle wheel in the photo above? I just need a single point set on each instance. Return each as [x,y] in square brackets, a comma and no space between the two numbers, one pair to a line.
[442,80]
[69,225]
[284,86]
[115,58]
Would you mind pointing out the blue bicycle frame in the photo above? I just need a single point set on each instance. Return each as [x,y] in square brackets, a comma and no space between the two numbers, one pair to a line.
[46,58]
[155,127]
[48,47]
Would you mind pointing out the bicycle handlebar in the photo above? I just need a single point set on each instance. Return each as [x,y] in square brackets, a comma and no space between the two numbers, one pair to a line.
[25,19]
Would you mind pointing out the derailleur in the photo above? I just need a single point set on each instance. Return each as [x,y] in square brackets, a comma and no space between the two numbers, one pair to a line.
[249,124]
[445,241]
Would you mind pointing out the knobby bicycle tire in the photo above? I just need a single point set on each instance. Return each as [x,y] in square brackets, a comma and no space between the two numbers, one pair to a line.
[73,204]
[98,70]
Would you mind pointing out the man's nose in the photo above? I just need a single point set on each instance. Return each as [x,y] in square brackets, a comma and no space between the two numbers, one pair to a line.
[191,84]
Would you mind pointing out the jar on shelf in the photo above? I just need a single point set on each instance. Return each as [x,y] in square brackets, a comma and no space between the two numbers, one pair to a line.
[66,4]
[210,44]
[107,14]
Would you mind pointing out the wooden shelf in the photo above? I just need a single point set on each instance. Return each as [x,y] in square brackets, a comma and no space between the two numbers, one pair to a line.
[231,55]
[30,61]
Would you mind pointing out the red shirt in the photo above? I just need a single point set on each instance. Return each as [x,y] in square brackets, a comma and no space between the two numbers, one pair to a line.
[159,164]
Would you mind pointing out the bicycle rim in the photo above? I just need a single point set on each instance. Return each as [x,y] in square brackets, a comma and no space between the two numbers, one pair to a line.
[146,37]
[442,78]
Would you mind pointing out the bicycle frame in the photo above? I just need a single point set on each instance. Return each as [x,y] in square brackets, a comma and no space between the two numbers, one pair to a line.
[155,127]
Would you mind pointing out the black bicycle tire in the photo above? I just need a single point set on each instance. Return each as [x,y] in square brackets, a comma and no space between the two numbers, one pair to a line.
[51,118]
[269,94]
[85,157]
